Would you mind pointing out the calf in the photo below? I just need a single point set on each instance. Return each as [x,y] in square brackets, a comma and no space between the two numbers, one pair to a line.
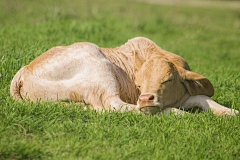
[138,76]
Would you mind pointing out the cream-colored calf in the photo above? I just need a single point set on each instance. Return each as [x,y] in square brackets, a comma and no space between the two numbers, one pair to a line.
[138,76]
[79,72]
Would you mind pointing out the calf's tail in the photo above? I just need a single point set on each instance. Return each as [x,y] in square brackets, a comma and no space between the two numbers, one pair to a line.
[16,85]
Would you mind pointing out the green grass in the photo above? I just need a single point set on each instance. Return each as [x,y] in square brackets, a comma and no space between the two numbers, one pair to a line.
[208,38]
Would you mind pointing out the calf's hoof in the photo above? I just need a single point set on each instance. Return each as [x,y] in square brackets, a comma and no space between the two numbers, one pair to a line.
[226,113]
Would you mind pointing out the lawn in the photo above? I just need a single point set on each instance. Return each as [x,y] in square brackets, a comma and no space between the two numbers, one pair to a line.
[207,37]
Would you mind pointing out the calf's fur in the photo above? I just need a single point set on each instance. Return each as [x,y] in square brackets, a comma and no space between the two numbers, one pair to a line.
[121,78]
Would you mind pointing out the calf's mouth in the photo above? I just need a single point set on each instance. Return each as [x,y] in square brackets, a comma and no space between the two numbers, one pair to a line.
[150,110]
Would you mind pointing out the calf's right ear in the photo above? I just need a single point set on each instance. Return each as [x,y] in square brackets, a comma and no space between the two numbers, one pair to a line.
[138,61]
[196,84]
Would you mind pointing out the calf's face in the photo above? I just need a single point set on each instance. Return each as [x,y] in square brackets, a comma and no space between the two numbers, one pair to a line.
[162,84]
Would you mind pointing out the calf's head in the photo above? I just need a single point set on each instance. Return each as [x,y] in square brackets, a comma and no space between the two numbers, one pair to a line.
[163,84]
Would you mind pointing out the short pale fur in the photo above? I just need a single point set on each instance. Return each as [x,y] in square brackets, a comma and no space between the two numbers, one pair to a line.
[114,78]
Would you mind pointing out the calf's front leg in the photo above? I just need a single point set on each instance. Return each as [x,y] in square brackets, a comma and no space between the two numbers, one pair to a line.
[175,111]
[115,103]
[207,103]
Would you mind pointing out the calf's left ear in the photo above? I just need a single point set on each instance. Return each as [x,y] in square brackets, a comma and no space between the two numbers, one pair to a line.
[196,84]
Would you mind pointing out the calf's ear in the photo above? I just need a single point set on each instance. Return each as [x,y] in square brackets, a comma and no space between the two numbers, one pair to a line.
[138,61]
[196,84]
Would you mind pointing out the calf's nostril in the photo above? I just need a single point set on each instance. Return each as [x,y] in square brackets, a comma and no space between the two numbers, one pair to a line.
[151,97]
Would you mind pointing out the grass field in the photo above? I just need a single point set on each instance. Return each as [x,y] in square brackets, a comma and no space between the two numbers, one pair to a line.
[208,38]
[234,4]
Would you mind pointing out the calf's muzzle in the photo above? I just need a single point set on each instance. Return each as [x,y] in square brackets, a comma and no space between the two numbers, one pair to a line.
[147,105]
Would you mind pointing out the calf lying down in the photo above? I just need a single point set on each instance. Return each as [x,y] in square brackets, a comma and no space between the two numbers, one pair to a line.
[138,76]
